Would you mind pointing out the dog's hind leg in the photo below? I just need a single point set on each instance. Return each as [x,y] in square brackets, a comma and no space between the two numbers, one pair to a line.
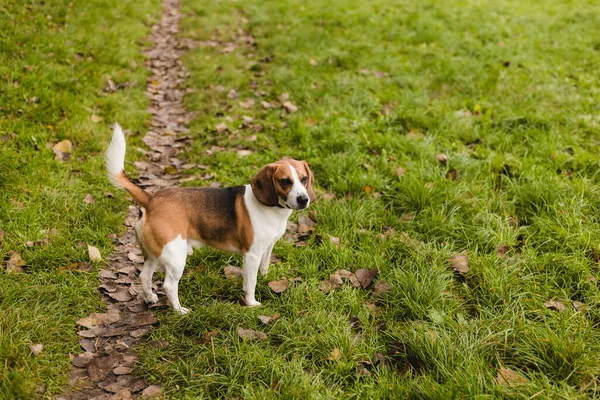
[173,257]
[150,265]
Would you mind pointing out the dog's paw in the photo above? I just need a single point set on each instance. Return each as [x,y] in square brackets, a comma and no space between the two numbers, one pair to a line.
[263,271]
[252,303]
[153,298]
[183,310]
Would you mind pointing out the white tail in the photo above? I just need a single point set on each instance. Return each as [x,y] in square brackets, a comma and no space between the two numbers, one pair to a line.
[115,155]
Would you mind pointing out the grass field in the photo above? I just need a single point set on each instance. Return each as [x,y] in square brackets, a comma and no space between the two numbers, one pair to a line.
[507,91]
[56,60]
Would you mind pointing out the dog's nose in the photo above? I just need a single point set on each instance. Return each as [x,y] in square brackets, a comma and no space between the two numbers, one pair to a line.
[302,201]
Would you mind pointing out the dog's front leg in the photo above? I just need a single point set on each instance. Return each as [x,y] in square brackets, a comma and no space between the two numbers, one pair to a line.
[264,261]
[251,264]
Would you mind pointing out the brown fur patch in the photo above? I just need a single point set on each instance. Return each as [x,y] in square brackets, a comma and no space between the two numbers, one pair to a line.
[216,217]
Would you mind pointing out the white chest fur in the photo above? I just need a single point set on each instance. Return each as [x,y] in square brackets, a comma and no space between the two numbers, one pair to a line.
[268,223]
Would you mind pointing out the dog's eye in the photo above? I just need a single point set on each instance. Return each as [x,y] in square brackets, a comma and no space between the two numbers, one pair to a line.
[285,182]
[304,180]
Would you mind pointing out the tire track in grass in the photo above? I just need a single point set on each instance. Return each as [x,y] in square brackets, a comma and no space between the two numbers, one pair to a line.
[105,368]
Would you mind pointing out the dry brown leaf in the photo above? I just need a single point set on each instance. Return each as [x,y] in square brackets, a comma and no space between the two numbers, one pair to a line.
[83,359]
[221,127]
[247,104]
[313,62]
[94,253]
[63,150]
[578,305]
[289,107]
[15,262]
[329,196]
[244,152]
[267,320]
[511,378]
[365,276]
[442,158]
[279,286]
[95,118]
[283,97]
[266,104]
[335,241]
[151,392]
[233,273]
[555,305]
[233,94]
[122,295]
[336,354]
[453,174]
[361,370]
[381,288]
[251,334]
[305,224]
[502,250]
[121,370]
[36,348]
[89,199]
[369,189]
[399,171]
[348,275]
[459,263]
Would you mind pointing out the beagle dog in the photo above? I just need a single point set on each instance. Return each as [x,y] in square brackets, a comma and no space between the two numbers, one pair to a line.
[242,219]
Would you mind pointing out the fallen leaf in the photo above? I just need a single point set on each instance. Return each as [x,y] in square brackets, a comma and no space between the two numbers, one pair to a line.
[267,320]
[369,189]
[442,158]
[381,288]
[247,104]
[329,196]
[555,305]
[372,307]
[99,368]
[171,170]
[266,104]
[251,334]
[335,241]
[122,370]
[510,378]
[244,153]
[36,349]
[96,119]
[279,286]
[222,127]
[336,354]
[233,94]
[122,295]
[63,150]
[151,391]
[364,71]
[15,262]
[283,97]
[453,174]
[233,273]
[365,276]
[399,171]
[502,250]
[94,253]
[135,258]
[578,305]
[138,332]
[289,107]
[313,62]
[335,281]
[89,199]
[305,224]
[361,370]
[348,275]
[459,263]
[83,359]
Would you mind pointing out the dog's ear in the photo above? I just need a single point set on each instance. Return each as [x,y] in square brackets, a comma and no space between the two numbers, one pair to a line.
[263,186]
[311,180]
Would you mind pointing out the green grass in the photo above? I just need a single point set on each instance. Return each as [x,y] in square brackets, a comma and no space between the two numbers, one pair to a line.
[56,59]
[508,91]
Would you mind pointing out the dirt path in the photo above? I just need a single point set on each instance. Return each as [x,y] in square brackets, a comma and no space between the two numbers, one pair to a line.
[104,369]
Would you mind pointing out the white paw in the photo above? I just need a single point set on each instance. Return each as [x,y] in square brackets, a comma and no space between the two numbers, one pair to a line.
[263,271]
[252,303]
[153,298]
[183,310]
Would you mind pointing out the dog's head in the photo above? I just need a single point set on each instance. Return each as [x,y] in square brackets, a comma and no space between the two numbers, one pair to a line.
[287,183]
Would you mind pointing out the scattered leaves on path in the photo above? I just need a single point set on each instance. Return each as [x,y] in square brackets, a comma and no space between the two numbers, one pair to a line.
[151,392]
